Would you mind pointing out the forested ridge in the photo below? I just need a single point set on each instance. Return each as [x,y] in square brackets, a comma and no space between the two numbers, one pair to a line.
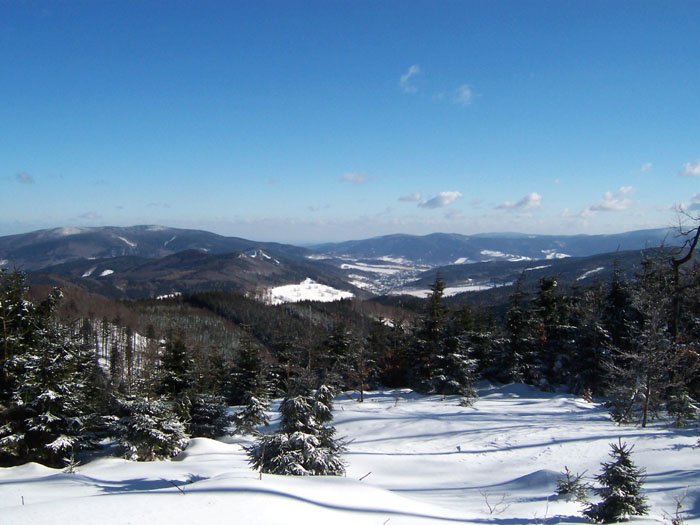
[77,369]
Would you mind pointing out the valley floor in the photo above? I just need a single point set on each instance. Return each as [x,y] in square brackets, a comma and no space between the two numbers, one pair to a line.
[423,459]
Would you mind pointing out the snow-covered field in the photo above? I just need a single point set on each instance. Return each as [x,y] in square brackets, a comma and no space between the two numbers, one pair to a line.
[449,291]
[307,290]
[423,460]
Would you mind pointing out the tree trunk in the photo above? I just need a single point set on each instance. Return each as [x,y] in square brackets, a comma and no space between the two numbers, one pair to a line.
[647,394]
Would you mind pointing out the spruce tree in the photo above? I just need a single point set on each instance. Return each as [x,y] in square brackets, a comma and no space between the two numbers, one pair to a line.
[305,444]
[149,429]
[621,488]
[428,338]
[454,370]
[208,416]
[177,375]
[249,388]
[516,356]
[46,407]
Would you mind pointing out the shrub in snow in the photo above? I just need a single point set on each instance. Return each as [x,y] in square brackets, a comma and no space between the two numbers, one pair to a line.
[149,429]
[621,484]
[304,444]
[572,487]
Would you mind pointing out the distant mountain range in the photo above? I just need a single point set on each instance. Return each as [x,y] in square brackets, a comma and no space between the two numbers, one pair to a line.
[440,249]
[148,261]
[42,248]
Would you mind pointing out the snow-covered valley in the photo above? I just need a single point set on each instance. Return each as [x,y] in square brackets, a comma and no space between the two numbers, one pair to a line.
[411,459]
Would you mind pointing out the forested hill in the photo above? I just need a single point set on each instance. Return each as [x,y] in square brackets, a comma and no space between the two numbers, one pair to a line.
[42,248]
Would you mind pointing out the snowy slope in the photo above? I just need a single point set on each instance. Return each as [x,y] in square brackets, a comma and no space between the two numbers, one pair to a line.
[307,290]
[424,460]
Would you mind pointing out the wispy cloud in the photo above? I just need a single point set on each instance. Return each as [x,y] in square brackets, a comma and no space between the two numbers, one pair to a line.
[405,80]
[90,216]
[646,167]
[25,178]
[442,199]
[528,202]
[694,203]
[613,200]
[411,197]
[690,169]
[463,95]
[358,177]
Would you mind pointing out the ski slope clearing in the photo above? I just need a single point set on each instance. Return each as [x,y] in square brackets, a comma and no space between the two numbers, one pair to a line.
[307,290]
[424,460]
[450,290]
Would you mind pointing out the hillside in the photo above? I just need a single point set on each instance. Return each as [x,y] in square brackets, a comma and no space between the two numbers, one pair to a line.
[422,461]
[42,248]
[188,271]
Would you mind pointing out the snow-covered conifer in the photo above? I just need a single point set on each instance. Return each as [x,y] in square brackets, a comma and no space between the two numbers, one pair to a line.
[454,371]
[249,386]
[621,486]
[208,416]
[45,405]
[252,415]
[304,445]
[572,487]
[149,429]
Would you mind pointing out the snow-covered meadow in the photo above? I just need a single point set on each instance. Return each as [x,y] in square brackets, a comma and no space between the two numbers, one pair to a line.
[307,290]
[411,459]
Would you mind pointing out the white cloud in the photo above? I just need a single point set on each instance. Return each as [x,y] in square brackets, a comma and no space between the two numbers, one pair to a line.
[463,95]
[690,169]
[646,167]
[442,199]
[25,178]
[528,202]
[358,177]
[694,203]
[405,81]
[411,197]
[614,201]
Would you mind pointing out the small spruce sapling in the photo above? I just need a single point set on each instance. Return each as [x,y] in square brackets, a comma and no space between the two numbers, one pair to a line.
[305,444]
[572,487]
[621,485]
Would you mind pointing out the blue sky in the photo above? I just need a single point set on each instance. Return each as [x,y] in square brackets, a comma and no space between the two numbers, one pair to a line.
[317,121]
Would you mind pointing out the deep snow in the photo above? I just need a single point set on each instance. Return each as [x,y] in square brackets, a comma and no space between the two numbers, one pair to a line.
[423,459]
